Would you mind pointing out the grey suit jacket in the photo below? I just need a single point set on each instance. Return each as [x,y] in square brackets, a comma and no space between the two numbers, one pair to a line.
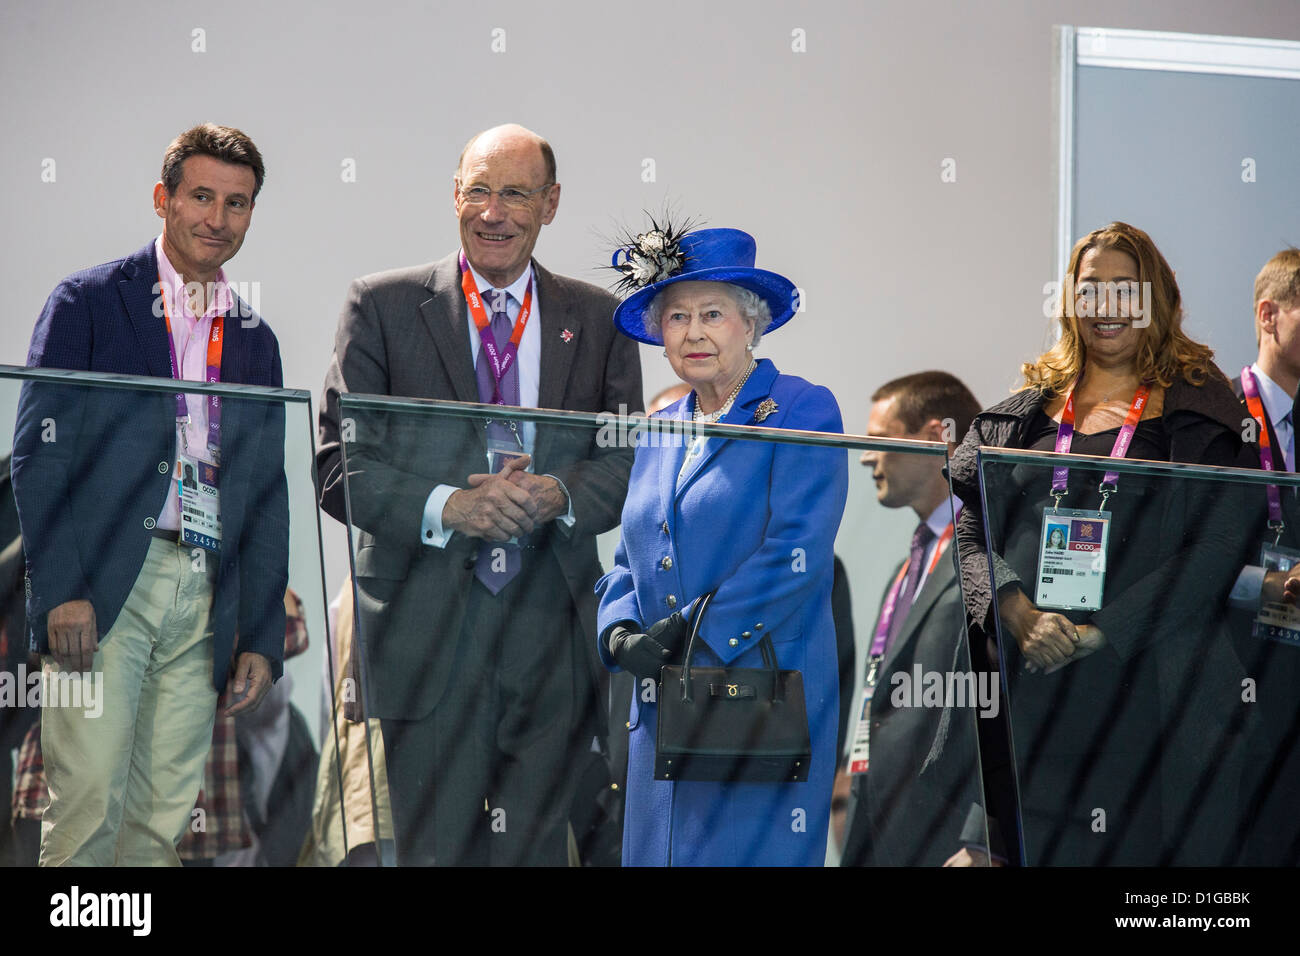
[910,808]
[405,333]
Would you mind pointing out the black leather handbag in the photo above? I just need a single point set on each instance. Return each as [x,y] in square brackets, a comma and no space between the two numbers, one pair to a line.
[731,724]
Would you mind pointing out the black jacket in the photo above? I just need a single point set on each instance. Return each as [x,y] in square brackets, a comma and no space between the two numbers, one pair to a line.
[1176,546]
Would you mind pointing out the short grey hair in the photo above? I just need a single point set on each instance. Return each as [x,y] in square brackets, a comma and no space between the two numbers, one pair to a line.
[753,308]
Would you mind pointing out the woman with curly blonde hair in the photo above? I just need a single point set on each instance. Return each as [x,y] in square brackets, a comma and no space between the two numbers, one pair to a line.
[1118,698]
[1146,291]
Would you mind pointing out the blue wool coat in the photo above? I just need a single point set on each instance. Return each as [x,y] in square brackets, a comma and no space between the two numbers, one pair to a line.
[756,520]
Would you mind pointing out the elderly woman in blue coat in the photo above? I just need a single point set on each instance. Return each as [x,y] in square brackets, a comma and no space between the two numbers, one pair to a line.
[753,520]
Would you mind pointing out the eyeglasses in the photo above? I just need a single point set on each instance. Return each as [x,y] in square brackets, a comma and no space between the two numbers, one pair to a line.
[710,319]
[479,195]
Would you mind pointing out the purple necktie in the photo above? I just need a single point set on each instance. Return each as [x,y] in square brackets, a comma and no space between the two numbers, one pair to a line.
[498,561]
[921,539]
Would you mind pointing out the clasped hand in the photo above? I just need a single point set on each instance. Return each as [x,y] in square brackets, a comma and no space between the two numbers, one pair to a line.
[507,504]
[1281,587]
[1048,640]
[645,653]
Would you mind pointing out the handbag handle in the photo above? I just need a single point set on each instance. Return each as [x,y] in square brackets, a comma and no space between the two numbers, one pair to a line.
[764,646]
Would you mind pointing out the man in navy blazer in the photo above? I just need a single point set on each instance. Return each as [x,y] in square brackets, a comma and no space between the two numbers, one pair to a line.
[117,603]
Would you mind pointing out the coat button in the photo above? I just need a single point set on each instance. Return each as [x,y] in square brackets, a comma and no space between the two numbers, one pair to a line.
[664,527]
[733,642]
[162,467]
[666,563]
[469,564]
[628,725]
[149,524]
[758,626]
[746,635]
[671,600]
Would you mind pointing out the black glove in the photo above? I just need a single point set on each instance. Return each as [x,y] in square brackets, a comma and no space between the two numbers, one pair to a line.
[644,653]
[670,633]
[639,654]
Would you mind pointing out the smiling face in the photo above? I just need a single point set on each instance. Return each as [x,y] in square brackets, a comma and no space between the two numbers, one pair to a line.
[498,238]
[205,220]
[706,337]
[1105,317]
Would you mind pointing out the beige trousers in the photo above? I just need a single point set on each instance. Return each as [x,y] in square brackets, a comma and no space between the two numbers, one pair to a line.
[123,782]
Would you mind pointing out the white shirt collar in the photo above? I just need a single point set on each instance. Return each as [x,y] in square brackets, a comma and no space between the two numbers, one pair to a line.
[516,288]
[1277,403]
[941,517]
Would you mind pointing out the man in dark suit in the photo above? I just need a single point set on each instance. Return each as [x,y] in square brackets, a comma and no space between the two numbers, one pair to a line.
[119,599]
[474,540]
[1277,368]
[918,803]
[1268,827]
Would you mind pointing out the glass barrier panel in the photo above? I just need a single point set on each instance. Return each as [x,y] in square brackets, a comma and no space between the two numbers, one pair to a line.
[1149,648]
[145,568]
[523,641]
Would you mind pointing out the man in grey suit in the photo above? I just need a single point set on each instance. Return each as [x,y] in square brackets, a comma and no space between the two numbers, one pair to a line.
[474,538]
[918,803]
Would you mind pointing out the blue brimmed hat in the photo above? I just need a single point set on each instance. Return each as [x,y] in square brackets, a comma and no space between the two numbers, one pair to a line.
[659,258]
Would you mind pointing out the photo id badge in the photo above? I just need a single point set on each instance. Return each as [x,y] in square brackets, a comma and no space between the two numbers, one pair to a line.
[862,735]
[197,481]
[1278,622]
[1072,559]
[502,450]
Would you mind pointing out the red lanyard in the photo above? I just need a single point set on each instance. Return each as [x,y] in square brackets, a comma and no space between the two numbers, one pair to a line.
[895,591]
[216,340]
[1251,389]
[499,361]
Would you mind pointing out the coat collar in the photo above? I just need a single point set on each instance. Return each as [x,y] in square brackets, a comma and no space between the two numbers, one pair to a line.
[444,317]
[139,288]
[756,388]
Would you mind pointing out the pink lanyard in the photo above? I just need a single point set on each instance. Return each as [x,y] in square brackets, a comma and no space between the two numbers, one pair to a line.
[1065,437]
[216,341]
[1256,406]
[498,361]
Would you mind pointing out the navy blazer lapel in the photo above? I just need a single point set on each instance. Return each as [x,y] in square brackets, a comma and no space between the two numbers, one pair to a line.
[232,345]
[140,290]
[742,413]
[444,316]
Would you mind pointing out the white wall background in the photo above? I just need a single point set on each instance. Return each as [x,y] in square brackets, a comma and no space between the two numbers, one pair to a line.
[831,157]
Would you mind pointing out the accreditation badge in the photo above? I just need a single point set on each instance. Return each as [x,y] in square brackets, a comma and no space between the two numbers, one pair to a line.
[1278,622]
[197,481]
[1072,559]
[502,450]
[859,753]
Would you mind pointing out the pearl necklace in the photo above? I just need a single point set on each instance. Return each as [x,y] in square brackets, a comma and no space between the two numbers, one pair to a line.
[712,417]
[696,446]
